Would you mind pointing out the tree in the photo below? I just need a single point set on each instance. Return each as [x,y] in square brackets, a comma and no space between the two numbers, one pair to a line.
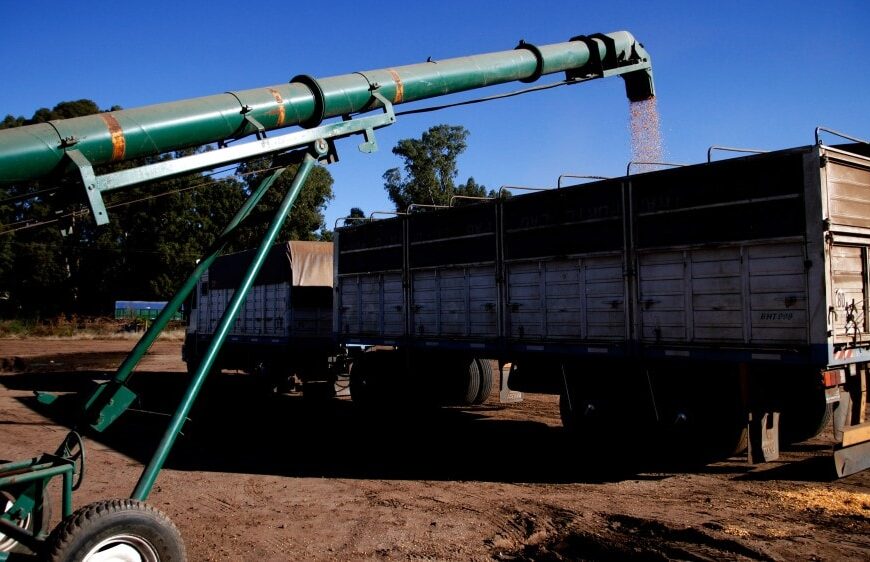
[37,265]
[155,235]
[430,169]
[306,220]
[353,217]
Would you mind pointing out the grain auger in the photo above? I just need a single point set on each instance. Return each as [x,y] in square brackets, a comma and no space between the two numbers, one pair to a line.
[71,153]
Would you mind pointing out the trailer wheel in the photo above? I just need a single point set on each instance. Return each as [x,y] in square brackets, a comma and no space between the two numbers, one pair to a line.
[484,367]
[116,530]
[573,420]
[368,385]
[566,413]
[193,365]
[582,418]
[802,422]
[468,385]
[703,416]
[318,391]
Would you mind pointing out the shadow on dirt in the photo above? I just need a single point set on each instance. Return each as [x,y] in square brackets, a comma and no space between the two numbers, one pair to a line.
[617,537]
[814,469]
[237,425]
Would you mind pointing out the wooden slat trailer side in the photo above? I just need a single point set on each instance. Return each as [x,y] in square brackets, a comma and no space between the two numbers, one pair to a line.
[284,328]
[713,299]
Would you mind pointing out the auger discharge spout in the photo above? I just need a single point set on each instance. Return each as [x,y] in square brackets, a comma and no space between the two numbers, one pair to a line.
[36,151]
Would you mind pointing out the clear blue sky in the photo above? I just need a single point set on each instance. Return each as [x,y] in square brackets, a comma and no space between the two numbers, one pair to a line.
[740,73]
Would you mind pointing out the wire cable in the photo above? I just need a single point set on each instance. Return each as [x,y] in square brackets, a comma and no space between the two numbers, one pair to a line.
[86,212]
[489,98]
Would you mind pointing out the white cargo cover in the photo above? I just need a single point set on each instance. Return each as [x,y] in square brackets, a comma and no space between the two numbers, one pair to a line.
[290,297]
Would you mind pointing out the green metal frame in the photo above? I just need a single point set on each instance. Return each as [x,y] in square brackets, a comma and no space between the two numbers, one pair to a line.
[26,481]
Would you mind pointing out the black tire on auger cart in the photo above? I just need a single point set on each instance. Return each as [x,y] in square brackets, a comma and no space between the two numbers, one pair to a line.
[126,526]
[484,367]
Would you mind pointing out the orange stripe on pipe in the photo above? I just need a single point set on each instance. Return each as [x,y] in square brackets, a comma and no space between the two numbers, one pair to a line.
[400,88]
[281,112]
[119,142]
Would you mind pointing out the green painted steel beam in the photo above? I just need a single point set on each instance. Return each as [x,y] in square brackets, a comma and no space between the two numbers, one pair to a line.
[106,404]
[149,475]
[36,151]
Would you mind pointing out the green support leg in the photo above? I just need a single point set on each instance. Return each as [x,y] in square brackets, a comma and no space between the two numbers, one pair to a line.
[149,475]
[97,414]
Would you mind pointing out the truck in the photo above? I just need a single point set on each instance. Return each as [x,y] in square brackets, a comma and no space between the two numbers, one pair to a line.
[717,300]
[283,331]
[724,303]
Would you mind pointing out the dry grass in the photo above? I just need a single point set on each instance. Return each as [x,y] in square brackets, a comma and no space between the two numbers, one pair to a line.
[828,500]
[166,335]
[74,328]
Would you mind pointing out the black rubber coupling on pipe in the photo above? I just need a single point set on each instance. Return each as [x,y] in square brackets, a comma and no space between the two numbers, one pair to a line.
[539,57]
[319,100]
[596,65]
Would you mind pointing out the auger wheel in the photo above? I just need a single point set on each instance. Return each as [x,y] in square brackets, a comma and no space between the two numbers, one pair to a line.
[116,531]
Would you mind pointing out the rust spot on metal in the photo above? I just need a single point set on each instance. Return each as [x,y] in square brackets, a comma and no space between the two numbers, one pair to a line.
[119,142]
[400,88]
[281,113]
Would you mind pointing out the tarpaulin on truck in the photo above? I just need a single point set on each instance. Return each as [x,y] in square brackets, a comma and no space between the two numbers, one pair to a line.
[303,264]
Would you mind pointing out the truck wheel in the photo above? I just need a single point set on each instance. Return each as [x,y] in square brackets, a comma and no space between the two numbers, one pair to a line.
[579,416]
[193,365]
[116,530]
[484,367]
[706,419]
[367,385]
[567,414]
[468,385]
[731,438]
[804,419]
[318,391]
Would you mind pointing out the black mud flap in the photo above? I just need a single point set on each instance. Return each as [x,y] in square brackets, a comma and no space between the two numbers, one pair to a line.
[763,437]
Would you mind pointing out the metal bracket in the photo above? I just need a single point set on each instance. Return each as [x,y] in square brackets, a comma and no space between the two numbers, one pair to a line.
[594,67]
[96,185]
[837,133]
[371,144]
[89,181]
[260,130]
[108,401]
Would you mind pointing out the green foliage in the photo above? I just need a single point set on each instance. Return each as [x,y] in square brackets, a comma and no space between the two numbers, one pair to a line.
[156,233]
[430,169]
[63,110]
[353,217]
[306,220]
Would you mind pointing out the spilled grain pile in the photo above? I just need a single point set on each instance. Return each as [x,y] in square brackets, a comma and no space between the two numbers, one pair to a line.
[829,500]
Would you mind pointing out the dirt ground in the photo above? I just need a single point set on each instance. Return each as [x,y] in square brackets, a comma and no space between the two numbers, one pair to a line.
[261,476]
